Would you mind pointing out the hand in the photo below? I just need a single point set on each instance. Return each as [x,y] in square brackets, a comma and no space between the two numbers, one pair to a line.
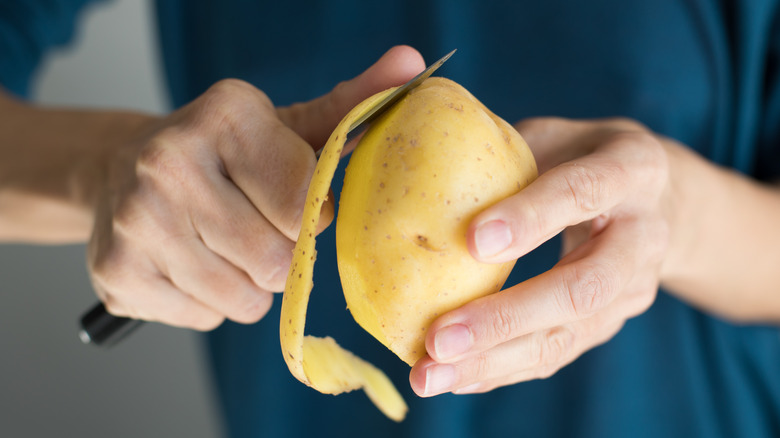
[605,184]
[198,219]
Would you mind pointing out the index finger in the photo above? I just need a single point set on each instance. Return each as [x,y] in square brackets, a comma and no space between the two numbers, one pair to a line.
[569,194]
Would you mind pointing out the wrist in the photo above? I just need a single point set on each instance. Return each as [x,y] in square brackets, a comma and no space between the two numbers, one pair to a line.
[110,156]
[723,230]
[683,212]
[53,166]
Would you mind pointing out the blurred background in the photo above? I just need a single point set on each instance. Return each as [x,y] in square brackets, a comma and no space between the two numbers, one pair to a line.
[155,383]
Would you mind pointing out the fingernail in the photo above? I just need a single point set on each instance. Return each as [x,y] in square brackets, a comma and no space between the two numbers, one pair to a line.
[492,237]
[451,341]
[439,378]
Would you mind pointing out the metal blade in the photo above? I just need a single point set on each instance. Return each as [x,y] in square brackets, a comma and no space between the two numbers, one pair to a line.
[396,95]
[362,123]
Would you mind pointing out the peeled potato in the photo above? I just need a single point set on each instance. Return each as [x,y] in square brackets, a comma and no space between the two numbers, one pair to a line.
[418,176]
[413,184]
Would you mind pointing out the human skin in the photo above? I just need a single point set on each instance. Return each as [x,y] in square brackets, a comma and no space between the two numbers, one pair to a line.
[191,217]
[637,210]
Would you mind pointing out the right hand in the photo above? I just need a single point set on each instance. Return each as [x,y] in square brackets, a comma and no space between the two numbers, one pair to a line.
[198,218]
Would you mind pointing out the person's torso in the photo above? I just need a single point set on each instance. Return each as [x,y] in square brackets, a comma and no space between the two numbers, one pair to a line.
[686,69]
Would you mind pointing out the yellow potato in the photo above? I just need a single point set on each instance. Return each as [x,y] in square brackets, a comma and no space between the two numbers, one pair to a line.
[415,181]
[418,176]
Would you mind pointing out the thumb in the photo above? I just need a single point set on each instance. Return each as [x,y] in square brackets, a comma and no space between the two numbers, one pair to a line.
[316,119]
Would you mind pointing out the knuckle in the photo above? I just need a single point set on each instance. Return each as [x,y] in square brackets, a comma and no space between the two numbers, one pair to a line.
[236,89]
[482,367]
[505,323]
[264,256]
[161,163]
[271,279]
[476,369]
[231,105]
[588,287]
[140,221]
[558,345]
[553,348]
[584,187]
[252,309]
[270,273]
[649,161]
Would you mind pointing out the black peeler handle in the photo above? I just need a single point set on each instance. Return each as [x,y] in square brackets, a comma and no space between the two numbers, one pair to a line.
[98,327]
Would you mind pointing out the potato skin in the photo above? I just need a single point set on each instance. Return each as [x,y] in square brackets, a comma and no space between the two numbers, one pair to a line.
[418,177]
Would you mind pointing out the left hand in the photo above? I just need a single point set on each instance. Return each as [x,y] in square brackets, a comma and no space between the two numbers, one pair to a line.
[606,185]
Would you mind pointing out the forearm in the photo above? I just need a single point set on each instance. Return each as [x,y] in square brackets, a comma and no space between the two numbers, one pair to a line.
[52,165]
[725,244]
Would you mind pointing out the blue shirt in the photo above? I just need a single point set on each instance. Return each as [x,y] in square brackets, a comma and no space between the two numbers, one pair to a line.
[702,72]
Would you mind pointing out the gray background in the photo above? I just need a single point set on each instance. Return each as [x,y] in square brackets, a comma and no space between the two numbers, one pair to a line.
[153,385]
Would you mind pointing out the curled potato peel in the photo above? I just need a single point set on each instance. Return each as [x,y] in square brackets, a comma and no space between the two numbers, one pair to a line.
[419,175]
[320,362]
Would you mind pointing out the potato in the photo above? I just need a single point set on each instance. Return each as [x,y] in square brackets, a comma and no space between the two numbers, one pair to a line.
[419,175]
[422,171]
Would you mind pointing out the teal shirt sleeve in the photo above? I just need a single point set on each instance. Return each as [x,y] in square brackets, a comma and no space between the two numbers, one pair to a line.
[28,29]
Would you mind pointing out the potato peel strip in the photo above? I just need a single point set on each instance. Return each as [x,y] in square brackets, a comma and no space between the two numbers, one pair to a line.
[320,362]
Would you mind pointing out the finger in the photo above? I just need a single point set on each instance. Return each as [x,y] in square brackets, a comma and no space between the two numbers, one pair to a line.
[315,120]
[533,356]
[186,196]
[268,162]
[583,283]
[230,226]
[554,140]
[569,194]
[472,385]
[540,354]
[211,280]
[140,291]
[272,167]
